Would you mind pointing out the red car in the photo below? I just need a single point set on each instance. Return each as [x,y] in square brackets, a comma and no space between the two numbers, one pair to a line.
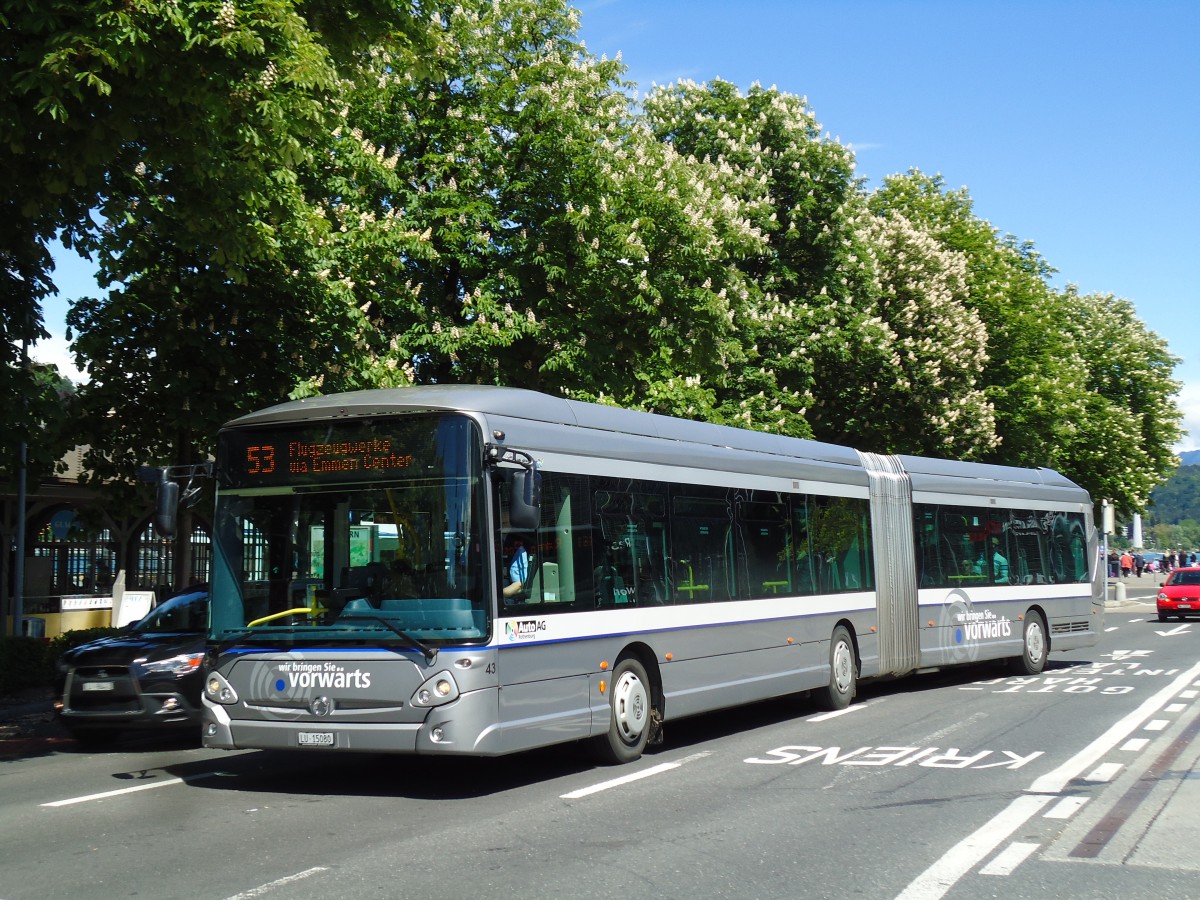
[1180,594]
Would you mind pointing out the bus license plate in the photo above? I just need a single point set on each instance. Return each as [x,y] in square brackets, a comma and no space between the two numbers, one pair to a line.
[316,738]
[98,686]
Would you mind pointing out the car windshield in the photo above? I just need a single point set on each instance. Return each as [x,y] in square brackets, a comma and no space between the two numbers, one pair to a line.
[185,613]
[1184,576]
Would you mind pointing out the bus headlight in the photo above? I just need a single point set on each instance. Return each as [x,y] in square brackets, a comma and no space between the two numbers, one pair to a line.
[438,689]
[218,690]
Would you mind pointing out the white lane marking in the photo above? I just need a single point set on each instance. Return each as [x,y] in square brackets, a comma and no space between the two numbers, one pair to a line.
[1103,772]
[821,717]
[1157,725]
[1188,695]
[1011,857]
[1175,707]
[1135,744]
[1065,808]
[104,795]
[1111,628]
[626,779]
[1178,629]
[935,881]
[278,882]
[1054,782]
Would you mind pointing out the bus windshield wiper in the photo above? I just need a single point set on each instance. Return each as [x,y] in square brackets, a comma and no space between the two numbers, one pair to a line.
[427,649]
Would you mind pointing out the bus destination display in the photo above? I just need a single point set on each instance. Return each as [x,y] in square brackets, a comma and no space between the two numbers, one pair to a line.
[251,459]
[301,458]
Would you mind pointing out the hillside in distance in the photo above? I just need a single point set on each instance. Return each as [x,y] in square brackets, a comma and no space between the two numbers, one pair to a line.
[1178,498]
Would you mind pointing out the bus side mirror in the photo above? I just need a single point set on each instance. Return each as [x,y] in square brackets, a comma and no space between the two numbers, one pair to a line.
[166,505]
[525,504]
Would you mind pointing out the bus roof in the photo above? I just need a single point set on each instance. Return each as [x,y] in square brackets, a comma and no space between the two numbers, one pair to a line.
[536,421]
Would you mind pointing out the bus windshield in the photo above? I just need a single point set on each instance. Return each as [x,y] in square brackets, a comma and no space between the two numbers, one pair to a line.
[364,530]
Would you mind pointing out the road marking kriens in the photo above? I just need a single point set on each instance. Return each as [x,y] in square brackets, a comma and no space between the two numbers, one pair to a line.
[929,757]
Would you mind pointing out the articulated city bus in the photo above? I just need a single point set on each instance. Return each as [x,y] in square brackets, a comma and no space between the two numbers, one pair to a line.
[483,570]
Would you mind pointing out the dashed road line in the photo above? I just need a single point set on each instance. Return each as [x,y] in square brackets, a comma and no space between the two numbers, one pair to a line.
[1065,808]
[1054,782]
[1009,858]
[626,779]
[1104,830]
[939,878]
[104,795]
[935,881]
[1104,772]
[278,882]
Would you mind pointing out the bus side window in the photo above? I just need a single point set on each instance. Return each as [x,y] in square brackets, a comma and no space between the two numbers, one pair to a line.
[702,548]
[764,546]
[630,528]
[560,554]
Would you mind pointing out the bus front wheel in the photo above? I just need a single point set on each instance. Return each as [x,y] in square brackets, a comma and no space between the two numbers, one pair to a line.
[843,673]
[629,714]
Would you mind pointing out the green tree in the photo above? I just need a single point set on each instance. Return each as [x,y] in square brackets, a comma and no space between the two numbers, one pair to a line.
[1077,383]
[40,415]
[1121,446]
[1032,378]
[561,247]
[931,345]
[855,330]
[168,139]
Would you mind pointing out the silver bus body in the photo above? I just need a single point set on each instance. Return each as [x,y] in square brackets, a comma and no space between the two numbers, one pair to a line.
[548,670]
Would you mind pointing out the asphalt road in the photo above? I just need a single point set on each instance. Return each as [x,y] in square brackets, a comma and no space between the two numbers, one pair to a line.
[969,783]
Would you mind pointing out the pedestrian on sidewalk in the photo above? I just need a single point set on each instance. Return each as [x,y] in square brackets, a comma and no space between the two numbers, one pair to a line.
[1126,564]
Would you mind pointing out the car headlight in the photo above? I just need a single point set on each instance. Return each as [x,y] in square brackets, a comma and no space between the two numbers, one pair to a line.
[1163,597]
[175,665]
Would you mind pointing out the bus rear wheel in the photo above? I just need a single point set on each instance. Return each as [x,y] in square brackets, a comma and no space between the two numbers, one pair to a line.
[629,714]
[843,673]
[1034,646]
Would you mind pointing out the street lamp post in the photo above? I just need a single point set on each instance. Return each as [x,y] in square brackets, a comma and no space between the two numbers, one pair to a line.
[22,460]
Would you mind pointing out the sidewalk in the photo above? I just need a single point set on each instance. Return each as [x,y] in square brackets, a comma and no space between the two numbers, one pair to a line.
[1145,585]
[28,725]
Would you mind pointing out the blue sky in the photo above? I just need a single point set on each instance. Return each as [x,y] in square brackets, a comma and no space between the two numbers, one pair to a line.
[1074,125]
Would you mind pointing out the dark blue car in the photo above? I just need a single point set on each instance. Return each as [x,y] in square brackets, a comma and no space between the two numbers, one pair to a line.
[147,677]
